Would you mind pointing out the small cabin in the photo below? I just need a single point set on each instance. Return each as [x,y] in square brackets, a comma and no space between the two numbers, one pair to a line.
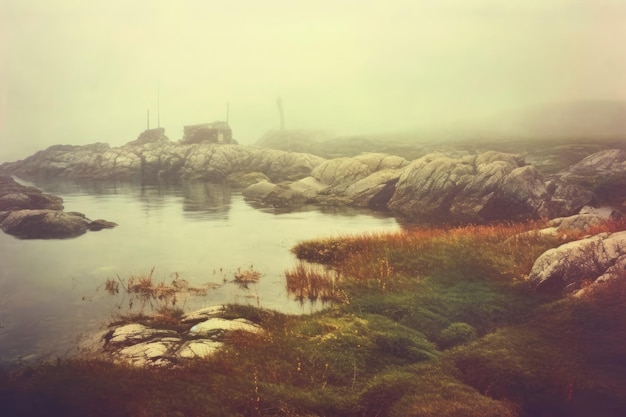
[216,132]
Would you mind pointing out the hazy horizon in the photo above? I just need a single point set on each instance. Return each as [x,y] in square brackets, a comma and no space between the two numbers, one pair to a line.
[81,71]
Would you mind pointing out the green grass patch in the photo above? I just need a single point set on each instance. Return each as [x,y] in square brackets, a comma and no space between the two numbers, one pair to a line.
[429,323]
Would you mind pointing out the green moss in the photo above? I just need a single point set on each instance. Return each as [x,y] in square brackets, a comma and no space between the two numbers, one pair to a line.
[435,326]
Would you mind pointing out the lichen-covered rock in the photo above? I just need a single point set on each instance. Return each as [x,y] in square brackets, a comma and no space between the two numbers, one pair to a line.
[133,333]
[197,349]
[339,173]
[490,186]
[602,173]
[217,325]
[198,335]
[566,268]
[277,196]
[585,220]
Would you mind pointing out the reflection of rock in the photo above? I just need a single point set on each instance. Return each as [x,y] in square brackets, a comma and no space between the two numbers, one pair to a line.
[27,213]
[199,335]
[203,197]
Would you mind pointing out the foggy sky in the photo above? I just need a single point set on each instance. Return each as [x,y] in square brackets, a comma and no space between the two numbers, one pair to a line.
[81,71]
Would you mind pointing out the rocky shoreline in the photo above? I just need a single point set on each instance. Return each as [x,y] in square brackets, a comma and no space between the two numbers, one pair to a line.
[456,186]
[28,213]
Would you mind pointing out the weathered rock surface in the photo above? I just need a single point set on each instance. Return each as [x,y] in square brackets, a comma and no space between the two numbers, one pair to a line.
[153,157]
[490,186]
[15,196]
[217,325]
[567,268]
[28,213]
[603,174]
[456,187]
[365,181]
[199,336]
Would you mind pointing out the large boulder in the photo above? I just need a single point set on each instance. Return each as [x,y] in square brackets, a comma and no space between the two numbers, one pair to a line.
[28,213]
[569,267]
[276,196]
[367,180]
[15,196]
[602,173]
[490,186]
[48,224]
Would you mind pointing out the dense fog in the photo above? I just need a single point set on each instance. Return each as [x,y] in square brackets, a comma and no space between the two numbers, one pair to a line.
[77,72]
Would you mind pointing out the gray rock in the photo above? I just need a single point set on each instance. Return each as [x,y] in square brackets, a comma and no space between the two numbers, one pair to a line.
[375,190]
[565,268]
[309,187]
[218,325]
[197,349]
[602,173]
[339,173]
[277,196]
[44,224]
[148,353]
[487,187]
[587,218]
[100,224]
[134,332]
[153,159]
[203,314]
[15,196]
[242,179]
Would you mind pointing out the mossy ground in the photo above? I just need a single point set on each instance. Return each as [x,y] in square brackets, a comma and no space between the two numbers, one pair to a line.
[431,323]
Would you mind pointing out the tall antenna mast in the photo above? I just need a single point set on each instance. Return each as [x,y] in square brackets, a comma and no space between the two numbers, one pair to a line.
[148,114]
[159,103]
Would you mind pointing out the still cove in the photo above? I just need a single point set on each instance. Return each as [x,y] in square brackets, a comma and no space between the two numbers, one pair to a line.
[52,292]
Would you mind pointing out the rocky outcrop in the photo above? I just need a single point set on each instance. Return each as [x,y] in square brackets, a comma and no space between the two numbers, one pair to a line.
[199,335]
[571,266]
[490,186]
[154,157]
[27,213]
[363,181]
[276,196]
[602,174]
[15,196]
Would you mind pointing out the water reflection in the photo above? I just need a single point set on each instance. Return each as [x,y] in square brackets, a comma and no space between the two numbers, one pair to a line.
[204,200]
[52,290]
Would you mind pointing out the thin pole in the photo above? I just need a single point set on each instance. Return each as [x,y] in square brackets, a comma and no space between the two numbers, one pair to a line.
[227,110]
[159,103]
[148,127]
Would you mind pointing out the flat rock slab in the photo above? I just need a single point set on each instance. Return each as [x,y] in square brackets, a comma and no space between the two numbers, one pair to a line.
[218,325]
[135,332]
[197,349]
[203,314]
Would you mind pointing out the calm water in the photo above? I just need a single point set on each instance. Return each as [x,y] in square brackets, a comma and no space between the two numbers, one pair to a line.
[51,291]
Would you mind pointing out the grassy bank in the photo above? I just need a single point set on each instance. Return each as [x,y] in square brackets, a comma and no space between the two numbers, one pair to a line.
[424,323]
